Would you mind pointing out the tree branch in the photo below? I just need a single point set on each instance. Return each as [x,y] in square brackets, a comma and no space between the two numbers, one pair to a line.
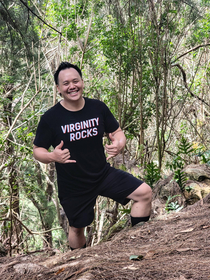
[39,17]
[185,83]
[191,50]
[16,118]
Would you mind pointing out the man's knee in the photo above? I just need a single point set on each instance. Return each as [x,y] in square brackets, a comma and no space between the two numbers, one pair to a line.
[142,193]
[76,231]
[147,192]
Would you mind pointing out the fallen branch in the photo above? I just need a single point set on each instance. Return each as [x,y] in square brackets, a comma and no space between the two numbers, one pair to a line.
[77,272]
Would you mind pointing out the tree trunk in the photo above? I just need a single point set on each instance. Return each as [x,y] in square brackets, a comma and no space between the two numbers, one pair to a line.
[15,228]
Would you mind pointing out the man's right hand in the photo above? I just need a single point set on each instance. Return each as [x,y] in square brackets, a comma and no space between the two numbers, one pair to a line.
[58,155]
[62,156]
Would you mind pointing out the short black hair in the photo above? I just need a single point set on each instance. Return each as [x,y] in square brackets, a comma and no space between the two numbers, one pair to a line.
[63,66]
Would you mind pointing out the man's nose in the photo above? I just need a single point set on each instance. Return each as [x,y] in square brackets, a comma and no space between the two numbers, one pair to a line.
[71,85]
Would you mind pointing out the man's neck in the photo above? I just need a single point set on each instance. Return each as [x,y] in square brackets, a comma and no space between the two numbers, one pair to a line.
[73,106]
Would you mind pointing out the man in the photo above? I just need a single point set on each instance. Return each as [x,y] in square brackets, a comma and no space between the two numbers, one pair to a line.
[75,127]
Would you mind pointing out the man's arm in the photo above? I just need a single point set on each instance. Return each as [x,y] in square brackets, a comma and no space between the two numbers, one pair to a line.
[58,155]
[118,143]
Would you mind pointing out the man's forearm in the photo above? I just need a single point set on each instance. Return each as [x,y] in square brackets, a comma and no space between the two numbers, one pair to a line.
[42,155]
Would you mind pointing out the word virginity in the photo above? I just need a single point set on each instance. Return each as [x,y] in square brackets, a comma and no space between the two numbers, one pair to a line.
[81,129]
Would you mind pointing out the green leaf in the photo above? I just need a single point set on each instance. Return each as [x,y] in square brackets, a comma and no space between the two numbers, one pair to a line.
[136,258]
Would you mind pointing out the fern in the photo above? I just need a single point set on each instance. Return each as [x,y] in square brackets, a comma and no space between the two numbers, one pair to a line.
[180,178]
[152,174]
[185,148]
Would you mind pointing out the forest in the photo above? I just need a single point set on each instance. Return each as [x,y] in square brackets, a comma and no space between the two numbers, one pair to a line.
[147,60]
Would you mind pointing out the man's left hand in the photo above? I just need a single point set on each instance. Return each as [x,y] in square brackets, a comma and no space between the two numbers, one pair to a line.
[118,142]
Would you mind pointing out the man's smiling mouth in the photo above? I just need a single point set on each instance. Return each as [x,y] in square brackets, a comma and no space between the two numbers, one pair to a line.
[73,92]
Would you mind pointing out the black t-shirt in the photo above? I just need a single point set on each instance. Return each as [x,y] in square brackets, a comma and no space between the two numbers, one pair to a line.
[82,133]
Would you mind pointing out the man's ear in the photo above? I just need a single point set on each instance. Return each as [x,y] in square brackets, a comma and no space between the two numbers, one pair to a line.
[58,90]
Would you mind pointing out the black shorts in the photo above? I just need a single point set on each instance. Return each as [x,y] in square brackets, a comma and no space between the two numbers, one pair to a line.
[117,185]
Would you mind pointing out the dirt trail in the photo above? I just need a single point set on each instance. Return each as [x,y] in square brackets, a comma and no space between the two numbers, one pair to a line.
[174,246]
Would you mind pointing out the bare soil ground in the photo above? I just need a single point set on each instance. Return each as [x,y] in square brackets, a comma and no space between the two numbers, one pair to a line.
[173,246]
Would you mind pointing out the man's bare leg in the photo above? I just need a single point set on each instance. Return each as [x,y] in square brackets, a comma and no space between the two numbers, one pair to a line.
[141,207]
[76,237]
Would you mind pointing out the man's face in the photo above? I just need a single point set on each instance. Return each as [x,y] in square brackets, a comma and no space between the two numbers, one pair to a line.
[70,85]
